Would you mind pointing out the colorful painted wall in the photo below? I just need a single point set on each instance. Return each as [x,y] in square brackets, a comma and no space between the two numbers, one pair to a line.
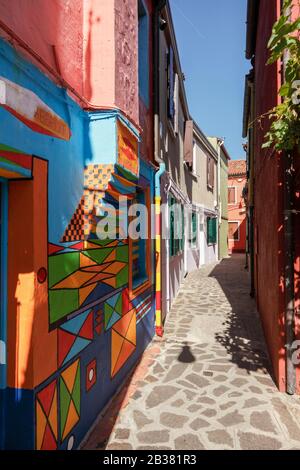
[75,323]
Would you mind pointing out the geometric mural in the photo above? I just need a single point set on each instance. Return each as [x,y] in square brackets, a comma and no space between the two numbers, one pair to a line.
[69,388]
[91,374]
[46,417]
[143,308]
[84,272]
[112,310]
[123,341]
[74,336]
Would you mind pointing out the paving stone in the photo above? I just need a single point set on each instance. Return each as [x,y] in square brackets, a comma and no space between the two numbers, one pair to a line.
[119,446]
[263,421]
[254,389]
[231,419]
[220,390]
[160,394]
[194,408]
[286,418]
[239,382]
[197,380]
[141,419]
[253,402]
[234,394]
[177,403]
[220,378]
[199,423]
[251,441]
[188,442]
[220,437]
[206,400]
[176,371]
[227,405]
[153,448]
[122,433]
[186,384]
[173,420]
[154,437]
[209,413]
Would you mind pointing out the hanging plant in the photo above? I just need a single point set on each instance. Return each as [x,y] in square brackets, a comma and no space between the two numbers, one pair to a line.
[284,133]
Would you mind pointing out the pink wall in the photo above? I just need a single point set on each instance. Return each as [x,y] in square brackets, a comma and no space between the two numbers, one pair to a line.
[95,44]
[43,24]
[237,213]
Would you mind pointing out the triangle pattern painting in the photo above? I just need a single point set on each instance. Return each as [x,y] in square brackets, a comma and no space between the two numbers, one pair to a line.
[46,417]
[123,341]
[112,310]
[74,336]
[69,388]
[74,280]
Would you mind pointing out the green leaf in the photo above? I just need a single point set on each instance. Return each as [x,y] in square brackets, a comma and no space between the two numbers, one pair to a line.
[285,89]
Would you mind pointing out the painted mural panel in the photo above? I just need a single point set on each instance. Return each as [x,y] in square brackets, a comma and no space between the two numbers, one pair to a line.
[128,150]
[30,109]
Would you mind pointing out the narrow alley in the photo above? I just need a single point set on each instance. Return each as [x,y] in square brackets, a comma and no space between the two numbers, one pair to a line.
[206,384]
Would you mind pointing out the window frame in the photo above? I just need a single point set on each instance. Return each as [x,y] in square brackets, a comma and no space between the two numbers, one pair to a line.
[235,195]
[238,230]
[134,291]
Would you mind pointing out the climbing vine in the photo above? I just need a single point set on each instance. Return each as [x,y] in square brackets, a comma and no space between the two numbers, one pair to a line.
[284,133]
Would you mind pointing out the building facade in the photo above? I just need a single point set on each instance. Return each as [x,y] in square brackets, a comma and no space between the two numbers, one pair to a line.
[237,221]
[223,159]
[186,185]
[273,202]
[77,307]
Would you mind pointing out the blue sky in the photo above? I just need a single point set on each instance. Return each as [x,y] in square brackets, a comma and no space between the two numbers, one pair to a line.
[211,37]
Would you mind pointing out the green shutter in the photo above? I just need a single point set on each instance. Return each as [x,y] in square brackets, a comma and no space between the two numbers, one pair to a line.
[194,228]
[211,230]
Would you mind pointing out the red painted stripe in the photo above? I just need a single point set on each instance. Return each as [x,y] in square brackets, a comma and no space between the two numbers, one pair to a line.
[158,300]
[21,159]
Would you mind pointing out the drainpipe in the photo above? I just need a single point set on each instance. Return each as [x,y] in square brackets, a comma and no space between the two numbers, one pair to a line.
[156,73]
[289,275]
[220,143]
[158,316]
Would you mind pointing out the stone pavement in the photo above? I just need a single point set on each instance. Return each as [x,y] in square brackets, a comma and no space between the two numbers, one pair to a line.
[206,384]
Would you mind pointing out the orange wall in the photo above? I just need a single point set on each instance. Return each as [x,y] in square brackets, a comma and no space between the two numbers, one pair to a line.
[31,349]
[237,213]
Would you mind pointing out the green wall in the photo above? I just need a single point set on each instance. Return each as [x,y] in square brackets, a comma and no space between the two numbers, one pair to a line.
[223,243]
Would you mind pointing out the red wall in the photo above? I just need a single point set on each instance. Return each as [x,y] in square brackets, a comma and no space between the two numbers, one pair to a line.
[268,216]
[237,213]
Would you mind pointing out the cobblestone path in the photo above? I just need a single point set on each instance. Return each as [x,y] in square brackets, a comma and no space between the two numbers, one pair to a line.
[206,384]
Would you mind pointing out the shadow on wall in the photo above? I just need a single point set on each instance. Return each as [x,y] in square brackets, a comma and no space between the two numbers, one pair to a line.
[242,335]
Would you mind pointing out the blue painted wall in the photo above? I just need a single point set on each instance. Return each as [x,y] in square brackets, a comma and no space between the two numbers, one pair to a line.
[93,141]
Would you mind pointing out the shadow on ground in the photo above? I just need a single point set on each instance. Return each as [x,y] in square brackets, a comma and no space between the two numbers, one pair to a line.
[242,334]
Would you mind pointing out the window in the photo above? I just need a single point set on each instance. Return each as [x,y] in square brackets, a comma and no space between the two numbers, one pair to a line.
[233,231]
[232,195]
[176,226]
[211,230]
[139,248]
[193,229]
[194,157]
[210,172]
[143,52]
